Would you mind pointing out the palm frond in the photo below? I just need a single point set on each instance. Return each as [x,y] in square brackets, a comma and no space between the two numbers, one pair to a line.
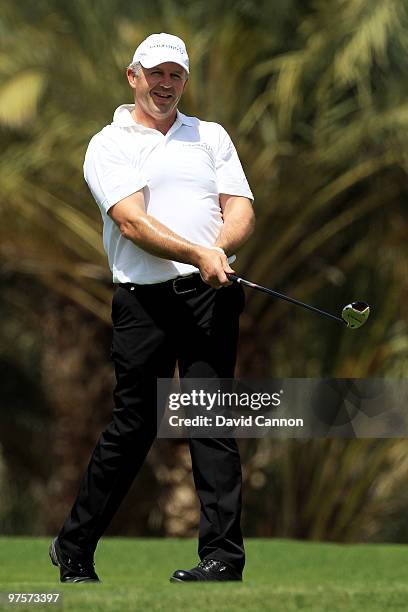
[19,98]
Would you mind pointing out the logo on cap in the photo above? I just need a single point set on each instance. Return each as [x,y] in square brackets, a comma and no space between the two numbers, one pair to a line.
[159,48]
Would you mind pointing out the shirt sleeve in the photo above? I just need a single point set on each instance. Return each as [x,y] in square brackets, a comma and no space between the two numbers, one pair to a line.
[110,175]
[231,178]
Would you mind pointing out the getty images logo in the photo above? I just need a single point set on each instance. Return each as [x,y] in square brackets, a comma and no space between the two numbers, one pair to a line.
[247,400]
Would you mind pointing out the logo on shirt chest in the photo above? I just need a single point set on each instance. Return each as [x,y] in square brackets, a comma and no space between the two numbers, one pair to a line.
[198,145]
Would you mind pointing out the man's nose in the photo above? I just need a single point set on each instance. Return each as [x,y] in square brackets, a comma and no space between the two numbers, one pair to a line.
[166,81]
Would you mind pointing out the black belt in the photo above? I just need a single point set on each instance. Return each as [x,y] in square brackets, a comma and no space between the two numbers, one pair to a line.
[180,284]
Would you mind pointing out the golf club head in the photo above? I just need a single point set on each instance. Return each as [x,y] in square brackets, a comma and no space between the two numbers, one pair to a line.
[355,314]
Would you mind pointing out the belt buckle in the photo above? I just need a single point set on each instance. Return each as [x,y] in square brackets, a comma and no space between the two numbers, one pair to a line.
[181,278]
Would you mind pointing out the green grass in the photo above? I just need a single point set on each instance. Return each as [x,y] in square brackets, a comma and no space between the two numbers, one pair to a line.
[280,576]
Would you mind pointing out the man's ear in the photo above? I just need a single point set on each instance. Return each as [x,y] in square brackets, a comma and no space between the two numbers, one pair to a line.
[131,77]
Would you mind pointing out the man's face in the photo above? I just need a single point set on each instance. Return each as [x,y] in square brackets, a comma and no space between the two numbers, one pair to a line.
[159,89]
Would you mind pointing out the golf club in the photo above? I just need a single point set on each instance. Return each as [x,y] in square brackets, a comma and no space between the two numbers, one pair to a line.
[353,315]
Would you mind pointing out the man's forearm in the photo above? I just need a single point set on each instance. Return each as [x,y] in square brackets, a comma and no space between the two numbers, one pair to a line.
[157,239]
[239,223]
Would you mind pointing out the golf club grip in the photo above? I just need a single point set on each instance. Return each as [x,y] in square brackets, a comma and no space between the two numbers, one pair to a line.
[232,277]
[286,298]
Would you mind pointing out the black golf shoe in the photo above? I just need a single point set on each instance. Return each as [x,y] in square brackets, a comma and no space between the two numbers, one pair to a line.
[72,570]
[207,570]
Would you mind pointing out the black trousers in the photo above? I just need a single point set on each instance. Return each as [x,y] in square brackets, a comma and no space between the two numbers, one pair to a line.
[153,328]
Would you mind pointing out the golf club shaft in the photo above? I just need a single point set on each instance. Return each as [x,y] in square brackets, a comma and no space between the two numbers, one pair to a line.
[242,281]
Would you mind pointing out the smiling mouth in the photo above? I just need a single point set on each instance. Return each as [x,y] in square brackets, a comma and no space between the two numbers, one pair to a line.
[162,96]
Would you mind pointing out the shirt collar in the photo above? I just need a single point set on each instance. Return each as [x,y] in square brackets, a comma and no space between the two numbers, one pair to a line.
[184,119]
[123,118]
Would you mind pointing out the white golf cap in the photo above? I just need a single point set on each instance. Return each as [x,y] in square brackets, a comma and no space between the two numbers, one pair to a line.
[159,48]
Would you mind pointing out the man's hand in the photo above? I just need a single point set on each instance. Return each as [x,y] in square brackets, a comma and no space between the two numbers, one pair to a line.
[213,265]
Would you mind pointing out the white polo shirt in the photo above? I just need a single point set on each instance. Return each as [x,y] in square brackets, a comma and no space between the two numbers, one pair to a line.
[181,174]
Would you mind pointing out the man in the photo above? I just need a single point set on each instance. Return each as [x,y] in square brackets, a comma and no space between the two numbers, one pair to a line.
[175,203]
